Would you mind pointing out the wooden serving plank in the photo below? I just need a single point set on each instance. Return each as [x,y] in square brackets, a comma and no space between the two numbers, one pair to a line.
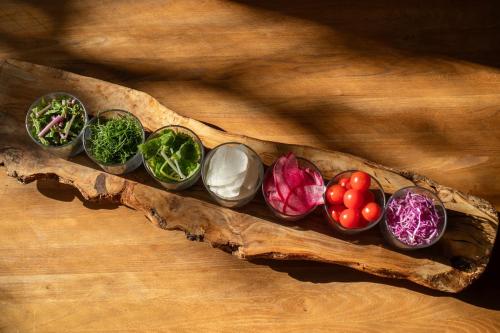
[251,232]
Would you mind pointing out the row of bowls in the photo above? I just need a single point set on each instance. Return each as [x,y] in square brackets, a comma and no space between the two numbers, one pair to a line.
[75,147]
[82,142]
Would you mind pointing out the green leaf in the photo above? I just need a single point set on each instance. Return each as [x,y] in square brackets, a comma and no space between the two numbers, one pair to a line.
[167,137]
[177,146]
[150,148]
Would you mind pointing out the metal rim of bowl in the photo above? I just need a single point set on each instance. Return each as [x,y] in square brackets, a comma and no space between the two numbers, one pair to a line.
[336,225]
[209,157]
[196,139]
[99,114]
[288,216]
[56,93]
[433,196]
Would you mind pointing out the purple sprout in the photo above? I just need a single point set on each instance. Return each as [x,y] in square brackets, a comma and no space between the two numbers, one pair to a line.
[55,121]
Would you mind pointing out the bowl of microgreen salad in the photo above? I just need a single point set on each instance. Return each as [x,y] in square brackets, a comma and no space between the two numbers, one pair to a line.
[172,155]
[111,140]
[55,122]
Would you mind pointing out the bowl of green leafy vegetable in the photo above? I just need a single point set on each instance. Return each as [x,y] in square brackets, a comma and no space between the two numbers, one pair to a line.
[55,122]
[172,155]
[111,140]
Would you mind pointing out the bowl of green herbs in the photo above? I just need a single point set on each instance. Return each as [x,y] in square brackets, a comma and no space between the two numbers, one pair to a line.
[111,140]
[172,155]
[55,122]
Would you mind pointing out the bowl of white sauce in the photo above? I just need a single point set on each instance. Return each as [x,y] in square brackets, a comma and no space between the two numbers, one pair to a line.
[232,173]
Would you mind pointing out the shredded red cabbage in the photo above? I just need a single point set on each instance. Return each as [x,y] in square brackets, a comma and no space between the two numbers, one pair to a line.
[413,219]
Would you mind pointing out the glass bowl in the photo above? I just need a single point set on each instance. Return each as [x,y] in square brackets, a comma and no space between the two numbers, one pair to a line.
[69,149]
[182,185]
[303,163]
[441,210]
[132,163]
[377,190]
[236,202]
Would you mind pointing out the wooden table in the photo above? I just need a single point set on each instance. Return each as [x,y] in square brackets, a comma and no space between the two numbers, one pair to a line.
[412,86]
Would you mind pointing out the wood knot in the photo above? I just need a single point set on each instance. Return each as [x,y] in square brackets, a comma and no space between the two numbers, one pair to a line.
[195,237]
[162,223]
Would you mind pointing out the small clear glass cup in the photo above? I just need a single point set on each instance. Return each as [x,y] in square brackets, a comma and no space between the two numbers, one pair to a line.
[378,192]
[117,169]
[303,163]
[438,204]
[237,202]
[182,185]
[71,148]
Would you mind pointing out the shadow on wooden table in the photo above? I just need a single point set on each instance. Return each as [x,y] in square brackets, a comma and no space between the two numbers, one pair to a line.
[466,30]
[63,192]
[482,293]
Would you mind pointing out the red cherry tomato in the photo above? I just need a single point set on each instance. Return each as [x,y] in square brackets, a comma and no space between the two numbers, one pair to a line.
[344,182]
[354,199]
[363,222]
[349,218]
[371,212]
[335,194]
[334,211]
[360,181]
[369,196]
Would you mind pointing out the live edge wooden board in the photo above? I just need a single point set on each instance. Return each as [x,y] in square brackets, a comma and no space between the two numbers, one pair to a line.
[251,232]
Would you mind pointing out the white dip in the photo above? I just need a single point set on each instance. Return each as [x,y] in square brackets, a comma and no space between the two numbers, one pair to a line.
[233,172]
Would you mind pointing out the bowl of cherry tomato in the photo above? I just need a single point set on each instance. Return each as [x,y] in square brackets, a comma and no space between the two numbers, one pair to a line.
[354,202]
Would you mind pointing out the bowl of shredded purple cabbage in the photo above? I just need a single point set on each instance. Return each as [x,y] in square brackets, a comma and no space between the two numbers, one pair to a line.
[415,218]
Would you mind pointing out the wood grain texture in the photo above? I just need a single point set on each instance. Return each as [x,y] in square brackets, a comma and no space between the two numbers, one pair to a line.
[409,84]
[403,84]
[459,259]
[71,266]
